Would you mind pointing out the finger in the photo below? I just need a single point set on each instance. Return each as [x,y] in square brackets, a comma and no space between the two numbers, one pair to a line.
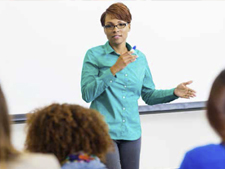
[131,57]
[193,95]
[190,95]
[132,60]
[131,53]
[186,97]
[128,56]
[134,57]
[191,90]
[187,83]
[126,59]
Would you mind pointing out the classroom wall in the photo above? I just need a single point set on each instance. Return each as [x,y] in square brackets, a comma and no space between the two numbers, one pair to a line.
[165,137]
[43,44]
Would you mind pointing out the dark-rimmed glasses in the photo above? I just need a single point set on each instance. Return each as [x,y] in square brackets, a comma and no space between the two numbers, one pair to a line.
[119,26]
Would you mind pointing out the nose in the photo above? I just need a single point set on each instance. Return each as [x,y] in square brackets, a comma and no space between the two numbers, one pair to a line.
[115,29]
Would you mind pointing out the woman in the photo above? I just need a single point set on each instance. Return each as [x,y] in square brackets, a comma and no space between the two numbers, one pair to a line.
[211,156]
[113,79]
[77,136]
[10,158]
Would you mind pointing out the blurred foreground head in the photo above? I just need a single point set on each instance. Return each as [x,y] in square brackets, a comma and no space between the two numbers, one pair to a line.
[63,129]
[7,151]
[216,105]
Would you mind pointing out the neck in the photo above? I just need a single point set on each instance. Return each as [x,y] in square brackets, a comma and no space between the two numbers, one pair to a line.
[120,49]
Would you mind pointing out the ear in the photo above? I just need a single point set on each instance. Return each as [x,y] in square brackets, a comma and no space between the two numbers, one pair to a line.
[104,30]
[129,26]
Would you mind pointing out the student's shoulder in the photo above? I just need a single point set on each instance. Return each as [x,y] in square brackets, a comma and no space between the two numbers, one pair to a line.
[93,164]
[205,150]
[207,147]
[39,160]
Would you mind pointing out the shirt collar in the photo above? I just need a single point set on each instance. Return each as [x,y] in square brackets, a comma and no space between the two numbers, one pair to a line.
[109,49]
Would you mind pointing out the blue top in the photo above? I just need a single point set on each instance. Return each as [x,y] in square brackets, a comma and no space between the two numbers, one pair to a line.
[94,164]
[211,156]
[116,97]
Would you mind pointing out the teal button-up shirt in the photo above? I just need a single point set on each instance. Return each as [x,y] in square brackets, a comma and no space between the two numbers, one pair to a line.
[116,97]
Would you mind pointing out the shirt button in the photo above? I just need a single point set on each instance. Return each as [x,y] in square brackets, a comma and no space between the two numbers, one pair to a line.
[123,97]
[110,81]
[124,121]
[125,74]
[124,108]
[125,86]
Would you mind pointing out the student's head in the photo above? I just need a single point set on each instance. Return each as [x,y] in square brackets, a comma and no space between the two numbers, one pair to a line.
[64,129]
[116,14]
[216,105]
[7,151]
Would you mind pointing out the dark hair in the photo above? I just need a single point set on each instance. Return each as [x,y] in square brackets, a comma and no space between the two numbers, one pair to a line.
[7,151]
[117,11]
[216,105]
[66,129]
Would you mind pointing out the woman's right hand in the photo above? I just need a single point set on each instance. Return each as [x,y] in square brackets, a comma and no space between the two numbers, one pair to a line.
[122,62]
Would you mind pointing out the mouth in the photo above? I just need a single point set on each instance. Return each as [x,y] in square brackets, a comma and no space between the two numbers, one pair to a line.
[116,36]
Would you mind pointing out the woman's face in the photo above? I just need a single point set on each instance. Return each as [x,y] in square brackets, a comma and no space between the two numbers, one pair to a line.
[116,36]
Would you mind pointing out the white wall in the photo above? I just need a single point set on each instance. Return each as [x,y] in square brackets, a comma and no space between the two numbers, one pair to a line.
[43,44]
[165,137]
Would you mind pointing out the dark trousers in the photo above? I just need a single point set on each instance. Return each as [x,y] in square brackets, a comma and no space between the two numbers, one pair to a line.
[125,156]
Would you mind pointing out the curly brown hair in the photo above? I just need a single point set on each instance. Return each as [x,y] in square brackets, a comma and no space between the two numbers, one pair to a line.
[63,129]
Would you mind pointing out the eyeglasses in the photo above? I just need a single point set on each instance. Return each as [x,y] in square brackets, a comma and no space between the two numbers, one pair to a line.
[119,26]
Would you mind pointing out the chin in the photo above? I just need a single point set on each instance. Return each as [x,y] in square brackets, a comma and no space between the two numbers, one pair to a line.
[116,42]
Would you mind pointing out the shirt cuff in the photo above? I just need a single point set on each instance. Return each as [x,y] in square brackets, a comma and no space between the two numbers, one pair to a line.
[173,94]
[108,77]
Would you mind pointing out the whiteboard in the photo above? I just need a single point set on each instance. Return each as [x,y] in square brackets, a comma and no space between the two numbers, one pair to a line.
[43,43]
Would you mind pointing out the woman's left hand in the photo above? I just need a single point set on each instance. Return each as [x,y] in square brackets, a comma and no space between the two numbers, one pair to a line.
[183,91]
